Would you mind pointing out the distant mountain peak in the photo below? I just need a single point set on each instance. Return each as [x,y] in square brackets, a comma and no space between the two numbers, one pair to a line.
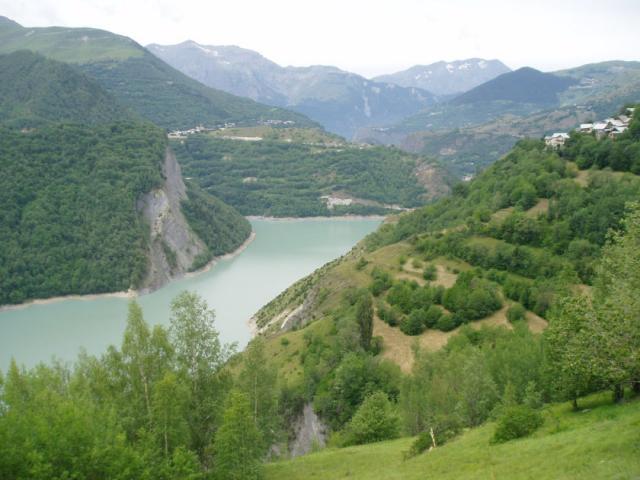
[524,85]
[447,78]
[7,22]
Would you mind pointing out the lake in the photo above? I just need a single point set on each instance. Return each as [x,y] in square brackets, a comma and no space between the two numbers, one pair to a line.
[282,252]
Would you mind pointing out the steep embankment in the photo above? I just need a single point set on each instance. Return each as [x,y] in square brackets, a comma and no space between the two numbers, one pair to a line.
[173,246]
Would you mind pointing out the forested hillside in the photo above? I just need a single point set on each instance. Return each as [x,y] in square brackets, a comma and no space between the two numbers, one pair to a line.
[75,167]
[456,327]
[137,79]
[35,91]
[278,177]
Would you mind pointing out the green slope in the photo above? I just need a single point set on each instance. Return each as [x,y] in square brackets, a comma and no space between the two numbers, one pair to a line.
[35,90]
[597,443]
[73,165]
[138,79]
[277,177]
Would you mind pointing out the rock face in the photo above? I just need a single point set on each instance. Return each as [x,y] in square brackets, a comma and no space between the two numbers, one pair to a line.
[311,433]
[172,244]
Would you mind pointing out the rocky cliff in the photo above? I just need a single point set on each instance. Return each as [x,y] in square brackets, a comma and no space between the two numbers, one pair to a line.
[173,246]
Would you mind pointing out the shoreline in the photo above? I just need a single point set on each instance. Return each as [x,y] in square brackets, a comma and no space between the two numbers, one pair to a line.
[129,294]
[316,218]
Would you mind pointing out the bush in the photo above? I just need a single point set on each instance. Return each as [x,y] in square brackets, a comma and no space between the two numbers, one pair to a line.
[361,263]
[374,421]
[390,316]
[446,323]
[377,343]
[516,313]
[284,341]
[430,273]
[517,421]
[432,315]
[414,323]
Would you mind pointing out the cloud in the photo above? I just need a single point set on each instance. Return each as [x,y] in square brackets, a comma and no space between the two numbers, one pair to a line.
[369,37]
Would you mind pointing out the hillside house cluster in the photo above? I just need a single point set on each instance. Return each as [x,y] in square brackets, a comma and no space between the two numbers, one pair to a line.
[199,129]
[609,127]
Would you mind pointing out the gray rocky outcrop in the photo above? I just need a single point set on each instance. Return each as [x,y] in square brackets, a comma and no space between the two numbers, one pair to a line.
[311,432]
[172,244]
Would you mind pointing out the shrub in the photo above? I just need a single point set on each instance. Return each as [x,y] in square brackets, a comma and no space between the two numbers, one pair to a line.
[446,323]
[430,273]
[376,345]
[432,315]
[516,313]
[284,341]
[415,263]
[374,421]
[382,281]
[390,316]
[414,323]
[515,422]
[361,263]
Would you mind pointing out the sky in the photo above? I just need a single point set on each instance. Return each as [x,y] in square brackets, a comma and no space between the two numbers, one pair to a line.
[367,37]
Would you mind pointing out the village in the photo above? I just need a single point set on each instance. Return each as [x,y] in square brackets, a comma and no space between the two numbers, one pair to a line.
[609,127]
[176,134]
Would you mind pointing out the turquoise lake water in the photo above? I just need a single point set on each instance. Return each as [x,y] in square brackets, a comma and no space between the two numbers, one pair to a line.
[282,252]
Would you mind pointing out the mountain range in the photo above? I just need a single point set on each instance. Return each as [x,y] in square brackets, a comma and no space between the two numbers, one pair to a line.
[341,101]
[447,78]
[138,79]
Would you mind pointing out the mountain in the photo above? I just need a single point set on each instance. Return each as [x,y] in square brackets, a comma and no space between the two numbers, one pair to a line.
[470,132]
[93,200]
[35,90]
[475,298]
[268,171]
[340,101]
[447,78]
[138,79]
[525,85]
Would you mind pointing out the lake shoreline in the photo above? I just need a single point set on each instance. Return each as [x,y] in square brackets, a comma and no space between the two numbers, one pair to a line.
[317,218]
[131,294]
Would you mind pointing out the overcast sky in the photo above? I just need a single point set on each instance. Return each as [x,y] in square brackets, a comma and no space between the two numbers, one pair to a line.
[367,36]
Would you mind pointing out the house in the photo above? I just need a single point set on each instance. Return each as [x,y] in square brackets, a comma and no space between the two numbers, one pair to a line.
[601,129]
[556,140]
[586,127]
[616,131]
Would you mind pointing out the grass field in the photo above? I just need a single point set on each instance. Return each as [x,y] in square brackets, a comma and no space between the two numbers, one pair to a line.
[602,441]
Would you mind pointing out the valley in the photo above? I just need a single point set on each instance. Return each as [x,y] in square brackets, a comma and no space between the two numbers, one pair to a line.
[215,266]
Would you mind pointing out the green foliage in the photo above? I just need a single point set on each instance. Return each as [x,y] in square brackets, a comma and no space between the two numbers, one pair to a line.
[414,323]
[238,443]
[139,80]
[258,381]
[517,421]
[150,409]
[287,179]
[382,281]
[35,91]
[516,312]
[373,421]
[364,317]
[471,297]
[69,222]
[430,273]
[219,226]
[590,341]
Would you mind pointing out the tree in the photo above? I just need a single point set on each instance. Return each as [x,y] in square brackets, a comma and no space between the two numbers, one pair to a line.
[170,399]
[258,381]
[199,357]
[364,317]
[373,421]
[237,446]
